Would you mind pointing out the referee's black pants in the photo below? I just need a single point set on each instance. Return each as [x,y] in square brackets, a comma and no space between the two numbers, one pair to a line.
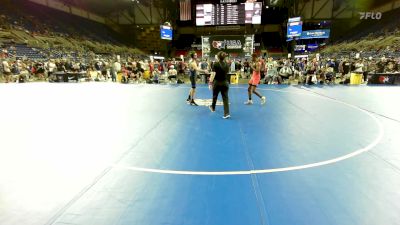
[222,87]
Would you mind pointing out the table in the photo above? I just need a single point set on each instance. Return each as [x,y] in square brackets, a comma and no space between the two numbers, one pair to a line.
[67,76]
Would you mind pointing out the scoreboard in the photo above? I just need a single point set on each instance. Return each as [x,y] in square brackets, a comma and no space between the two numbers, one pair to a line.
[228,14]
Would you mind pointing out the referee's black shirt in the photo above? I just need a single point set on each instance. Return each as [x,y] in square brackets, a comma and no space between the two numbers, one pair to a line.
[221,70]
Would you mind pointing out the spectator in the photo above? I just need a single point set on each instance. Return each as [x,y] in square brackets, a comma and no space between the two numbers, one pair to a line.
[204,64]
[272,72]
[6,71]
[246,69]
[284,73]
[359,67]
[330,74]
[172,73]
[156,75]
[115,69]
[51,68]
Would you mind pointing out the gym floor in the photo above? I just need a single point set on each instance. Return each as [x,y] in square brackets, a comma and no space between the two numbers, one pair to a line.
[103,153]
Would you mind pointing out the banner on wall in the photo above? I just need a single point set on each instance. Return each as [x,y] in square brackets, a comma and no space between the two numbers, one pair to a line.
[312,47]
[310,34]
[228,44]
[238,45]
[299,48]
[385,78]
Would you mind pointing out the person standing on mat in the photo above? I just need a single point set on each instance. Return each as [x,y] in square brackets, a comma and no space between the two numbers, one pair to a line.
[219,83]
[255,65]
[193,68]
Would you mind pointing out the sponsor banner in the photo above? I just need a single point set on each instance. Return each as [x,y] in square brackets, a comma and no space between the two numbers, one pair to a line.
[312,47]
[228,44]
[301,56]
[234,45]
[300,48]
[385,78]
[310,34]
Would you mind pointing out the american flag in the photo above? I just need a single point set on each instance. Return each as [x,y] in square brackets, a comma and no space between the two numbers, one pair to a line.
[185,10]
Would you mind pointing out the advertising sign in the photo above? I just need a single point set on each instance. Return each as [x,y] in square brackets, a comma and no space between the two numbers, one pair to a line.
[300,48]
[241,45]
[310,34]
[228,44]
[312,47]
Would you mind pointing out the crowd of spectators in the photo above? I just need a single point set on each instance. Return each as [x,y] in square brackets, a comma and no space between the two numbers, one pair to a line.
[101,68]
[325,70]
[313,70]
[321,70]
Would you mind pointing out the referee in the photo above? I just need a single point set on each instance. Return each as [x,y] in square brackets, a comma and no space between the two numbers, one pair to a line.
[219,83]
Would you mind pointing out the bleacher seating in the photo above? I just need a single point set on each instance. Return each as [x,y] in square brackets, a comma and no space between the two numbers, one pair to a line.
[40,32]
[374,27]
[373,38]
[40,19]
[25,51]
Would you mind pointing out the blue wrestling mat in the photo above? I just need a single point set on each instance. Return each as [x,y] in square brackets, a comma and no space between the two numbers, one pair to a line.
[107,154]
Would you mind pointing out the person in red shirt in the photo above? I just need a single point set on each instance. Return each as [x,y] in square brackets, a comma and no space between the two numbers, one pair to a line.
[255,65]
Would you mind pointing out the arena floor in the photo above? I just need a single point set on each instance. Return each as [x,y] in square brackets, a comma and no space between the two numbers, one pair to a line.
[103,153]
